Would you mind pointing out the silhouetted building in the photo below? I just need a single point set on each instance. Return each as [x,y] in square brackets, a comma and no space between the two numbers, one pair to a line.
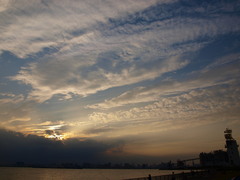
[215,158]
[180,164]
[220,157]
[232,148]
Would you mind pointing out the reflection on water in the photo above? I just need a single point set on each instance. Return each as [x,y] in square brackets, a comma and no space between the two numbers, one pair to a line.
[11,173]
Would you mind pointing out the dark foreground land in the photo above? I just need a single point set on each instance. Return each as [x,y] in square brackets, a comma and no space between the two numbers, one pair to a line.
[223,175]
[196,175]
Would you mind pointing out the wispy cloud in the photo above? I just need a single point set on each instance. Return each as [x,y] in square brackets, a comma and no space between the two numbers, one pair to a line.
[45,24]
[193,108]
[223,71]
[128,69]
[13,108]
[10,98]
[106,46]
[3,5]
[61,76]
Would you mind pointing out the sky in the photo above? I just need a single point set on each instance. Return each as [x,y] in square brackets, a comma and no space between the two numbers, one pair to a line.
[106,80]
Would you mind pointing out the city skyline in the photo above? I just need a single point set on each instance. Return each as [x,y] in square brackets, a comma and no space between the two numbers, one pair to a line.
[146,80]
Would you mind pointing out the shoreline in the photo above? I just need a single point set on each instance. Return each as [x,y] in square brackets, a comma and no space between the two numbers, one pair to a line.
[195,175]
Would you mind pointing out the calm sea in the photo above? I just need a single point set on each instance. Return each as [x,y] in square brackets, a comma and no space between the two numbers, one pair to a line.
[11,173]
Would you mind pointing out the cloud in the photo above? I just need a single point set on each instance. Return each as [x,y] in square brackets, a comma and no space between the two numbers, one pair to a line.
[14,109]
[10,98]
[223,71]
[32,149]
[98,130]
[36,149]
[58,25]
[17,113]
[61,76]
[134,41]
[83,50]
[3,5]
[49,132]
[188,109]
[47,24]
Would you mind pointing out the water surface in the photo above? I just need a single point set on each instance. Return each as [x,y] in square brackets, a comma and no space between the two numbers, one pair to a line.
[12,173]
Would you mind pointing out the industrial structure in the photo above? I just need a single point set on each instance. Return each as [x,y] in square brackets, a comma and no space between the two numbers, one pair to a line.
[215,158]
[232,148]
[220,157]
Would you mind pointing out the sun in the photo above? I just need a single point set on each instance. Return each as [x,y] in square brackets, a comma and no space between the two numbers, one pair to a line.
[56,136]
[55,132]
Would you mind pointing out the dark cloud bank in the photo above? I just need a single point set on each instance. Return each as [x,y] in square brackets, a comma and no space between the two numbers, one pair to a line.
[17,147]
[32,149]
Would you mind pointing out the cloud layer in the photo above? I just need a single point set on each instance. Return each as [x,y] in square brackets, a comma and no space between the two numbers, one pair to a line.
[128,70]
[37,150]
[196,107]
[223,71]
[133,43]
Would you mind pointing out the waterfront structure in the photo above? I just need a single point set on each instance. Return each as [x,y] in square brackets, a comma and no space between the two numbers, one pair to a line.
[215,158]
[232,148]
[220,157]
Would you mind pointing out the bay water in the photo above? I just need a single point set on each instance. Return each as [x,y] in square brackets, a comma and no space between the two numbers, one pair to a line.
[19,173]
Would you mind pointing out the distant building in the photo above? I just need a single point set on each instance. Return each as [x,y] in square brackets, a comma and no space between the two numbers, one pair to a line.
[215,158]
[220,157]
[232,148]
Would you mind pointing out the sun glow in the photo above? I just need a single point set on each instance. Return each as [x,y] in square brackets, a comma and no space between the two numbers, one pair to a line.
[55,132]
[56,136]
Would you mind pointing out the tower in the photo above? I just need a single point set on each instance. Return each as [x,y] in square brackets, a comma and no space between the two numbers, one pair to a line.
[232,148]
